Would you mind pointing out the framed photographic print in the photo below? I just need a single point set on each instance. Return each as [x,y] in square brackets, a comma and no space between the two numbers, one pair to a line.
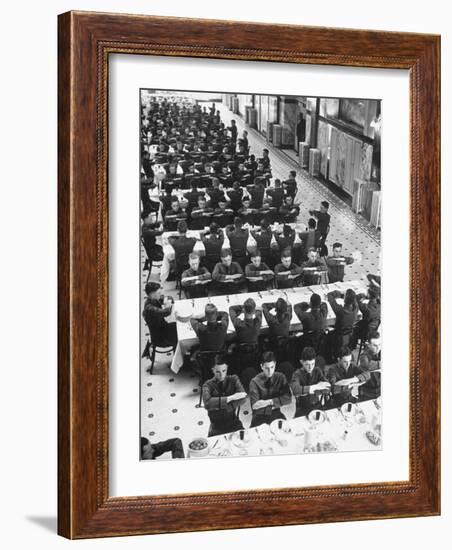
[248,275]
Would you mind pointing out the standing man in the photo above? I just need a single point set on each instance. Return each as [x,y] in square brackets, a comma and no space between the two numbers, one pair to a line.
[222,395]
[301,131]
[336,264]
[268,392]
[323,223]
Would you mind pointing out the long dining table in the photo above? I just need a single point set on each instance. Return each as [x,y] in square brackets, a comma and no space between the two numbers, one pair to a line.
[338,431]
[187,337]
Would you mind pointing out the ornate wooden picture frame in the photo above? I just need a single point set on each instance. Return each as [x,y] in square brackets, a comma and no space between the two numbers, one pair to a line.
[86,40]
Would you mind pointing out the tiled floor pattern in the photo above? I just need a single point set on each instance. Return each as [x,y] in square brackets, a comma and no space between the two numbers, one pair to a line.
[169,402]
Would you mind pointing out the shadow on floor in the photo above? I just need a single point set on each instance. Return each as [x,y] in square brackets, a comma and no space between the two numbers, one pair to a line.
[49,523]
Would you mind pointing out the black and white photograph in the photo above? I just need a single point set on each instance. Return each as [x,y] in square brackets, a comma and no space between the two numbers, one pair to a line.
[260,274]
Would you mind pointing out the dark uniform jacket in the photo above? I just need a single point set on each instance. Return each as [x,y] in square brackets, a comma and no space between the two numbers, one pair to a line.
[247,330]
[212,336]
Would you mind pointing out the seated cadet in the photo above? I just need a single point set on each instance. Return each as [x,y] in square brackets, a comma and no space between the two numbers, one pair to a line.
[279,320]
[222,395]
[268,392]
[314,318]
[227,275]
[370,308]
[345,317]
[202,209]
[211,329]
[290,184]
[213,241]
[258,273]
[238,239]
[192,196]
[263,237]
[373,349]
[225,177]
[336,264]
[247,329]
[286,239]
[287,274]
[309,238]
[372,388]
[247,213]
[268,212]
[150,451]
[175,214]
[251,164]
[276,193]
[309,385]
[149,231]
[215,193]
[345,378]
[195,279]
[256,191]
[156,308]
[312,268]
[167,199]
[235,196]
[288,211]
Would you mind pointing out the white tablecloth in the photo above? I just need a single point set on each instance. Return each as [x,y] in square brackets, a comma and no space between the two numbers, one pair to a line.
[341,434]
[187,336]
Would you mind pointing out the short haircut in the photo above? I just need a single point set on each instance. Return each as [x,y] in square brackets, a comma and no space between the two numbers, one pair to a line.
[225,252]
[150,287]
[325,204]
[182,227]
[293,173]
[210,310]
[255,254]
[286,253]
[312,249]
[312,224]
[308,354]
[265,224]
[247,198]
[287,230]
[268,357]
[238,222]
[265,150]
[373,335]
[277,182]
[193,256]
[337,245]
[350,297]
[220,359]
[249,306]
[174,199]
[281,306]
[214,227]
[315,300]
[344,351]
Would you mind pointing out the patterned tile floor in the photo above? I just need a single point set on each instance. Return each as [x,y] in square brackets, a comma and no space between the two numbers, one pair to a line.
[169,402]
